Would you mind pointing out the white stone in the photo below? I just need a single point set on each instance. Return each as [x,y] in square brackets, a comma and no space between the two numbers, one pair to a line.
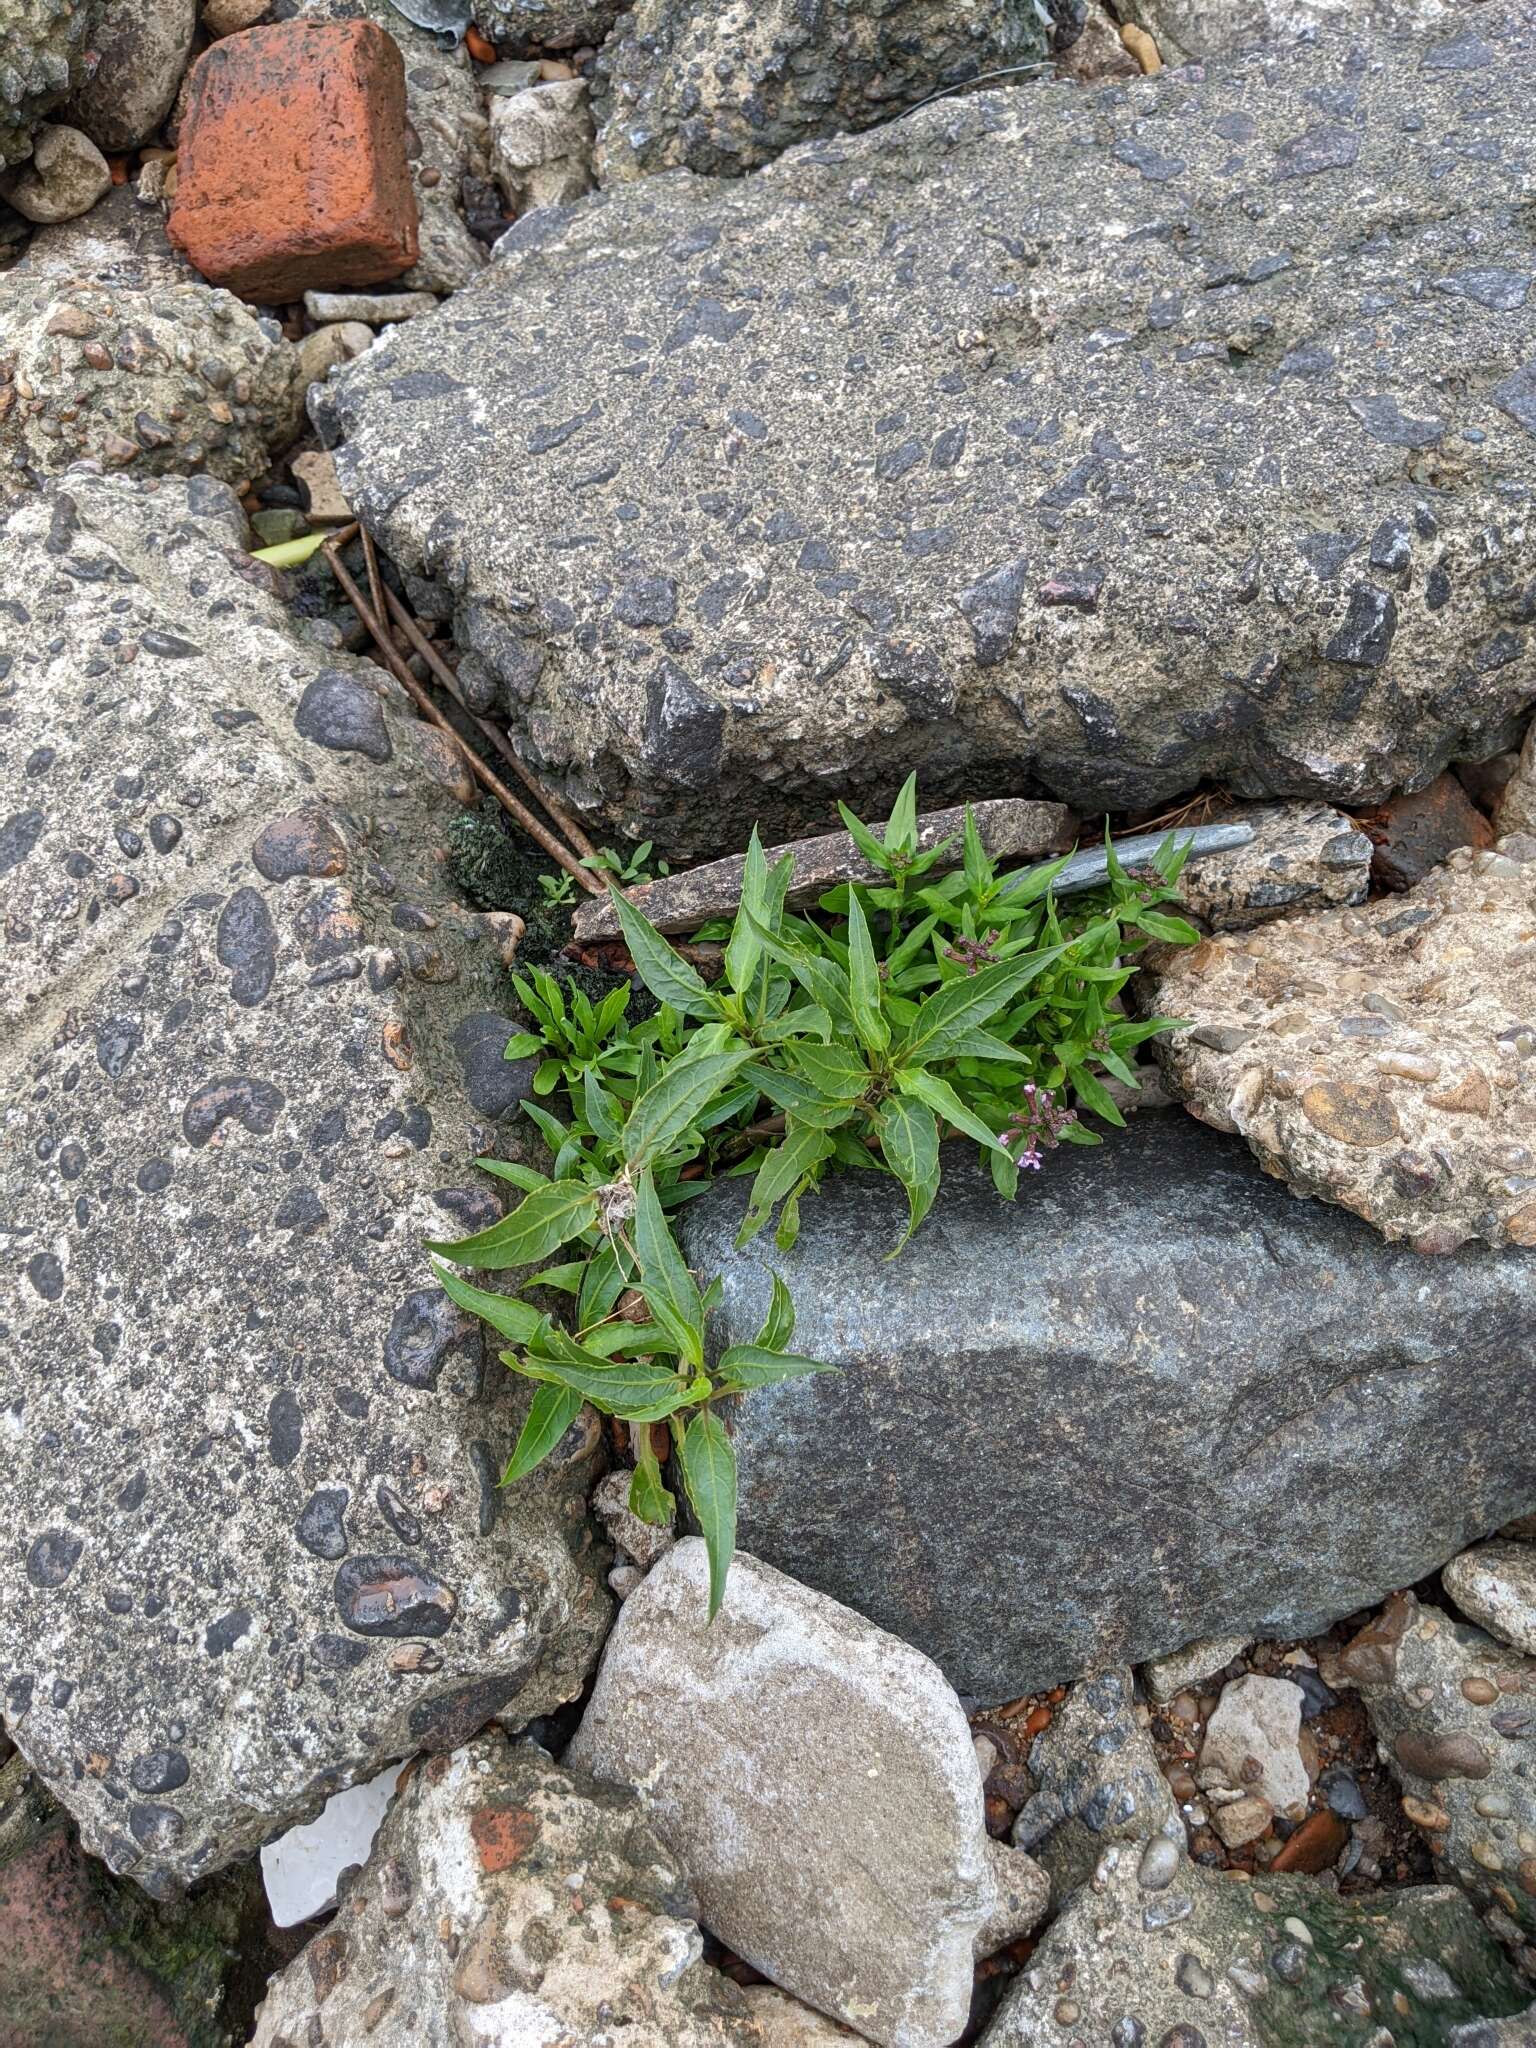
[1494,1584]
[541,144]
[375,309]
[642,1542]
[1166,1677]
[64,176]
[320,352]
[1251,1743]
[300,1868]
[816,1777]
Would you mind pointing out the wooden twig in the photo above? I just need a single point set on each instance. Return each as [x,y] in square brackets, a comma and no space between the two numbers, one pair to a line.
[498,739]
[398,668]
[375,580]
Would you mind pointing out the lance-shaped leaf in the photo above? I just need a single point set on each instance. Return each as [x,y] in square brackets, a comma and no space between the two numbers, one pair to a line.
[554,1410]
[864,981]
[708,1459]
[673,1103]
[550,1217]
[524,1177]
[517,1321]
[970,999]
[632,1388]
[781,1173]
[663,1269]
[909,1143]
[840,1071]
[749,1365]
[745,949]
[648,1496]
[939,1096]
[779,1323]
[665,973]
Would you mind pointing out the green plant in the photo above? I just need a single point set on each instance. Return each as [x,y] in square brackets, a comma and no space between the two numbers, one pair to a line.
[647,1371]
[557,890]
[855,1037]
[638,868]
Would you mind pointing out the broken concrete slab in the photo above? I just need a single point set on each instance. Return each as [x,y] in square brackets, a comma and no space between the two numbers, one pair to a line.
[887,539]
[1379,1057]
[257,1544]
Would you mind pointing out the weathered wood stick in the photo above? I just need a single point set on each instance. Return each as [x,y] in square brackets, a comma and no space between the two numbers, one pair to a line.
[1009,827]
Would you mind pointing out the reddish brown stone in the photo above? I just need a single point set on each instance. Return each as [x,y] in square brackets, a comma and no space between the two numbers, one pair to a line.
[1417,832]
[503,1835]
[292,173]
[1315,1846]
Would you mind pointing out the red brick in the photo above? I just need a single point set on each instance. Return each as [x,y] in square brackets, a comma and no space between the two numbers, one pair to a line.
[292,173]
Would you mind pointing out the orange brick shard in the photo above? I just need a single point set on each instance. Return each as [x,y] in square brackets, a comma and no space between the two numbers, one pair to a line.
[292,172]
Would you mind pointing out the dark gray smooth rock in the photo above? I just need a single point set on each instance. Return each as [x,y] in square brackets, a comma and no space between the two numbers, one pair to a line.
[1157,1399]
[1086,443]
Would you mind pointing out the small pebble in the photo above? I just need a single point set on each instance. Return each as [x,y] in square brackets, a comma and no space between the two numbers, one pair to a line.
[374,309]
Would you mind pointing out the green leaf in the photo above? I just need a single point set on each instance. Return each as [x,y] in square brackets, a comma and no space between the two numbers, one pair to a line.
[1027,885]
[840,1071]
[1172,931]
[648,1497]
[982,1045]
[598,1106]
[864,981]
[665,973]
[508,1169]
[909,1141]
[516,1320]
[631,1388]
[820,979]
[523,1046]
[601,1286]
[553,1132]
[785,1167]
[967,1001]
[566,1279]
[796,1096]
[979,872]
[645,1340]
[1095,1096]
[901,826]
[548,1218]
[779,1323]
[663,1269]
[746,948]
[670,1106]
[554,1410]
[751,1365]
[1005,1172]
[866,841]
[808,1021]
[941,1097]
[909,948]
[708,1459]
[290,554]
[789,1224]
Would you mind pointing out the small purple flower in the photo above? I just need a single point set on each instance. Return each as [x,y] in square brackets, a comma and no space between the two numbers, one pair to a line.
[1037,1122]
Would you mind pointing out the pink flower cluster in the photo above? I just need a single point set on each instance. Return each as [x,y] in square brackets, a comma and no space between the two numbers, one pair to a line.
[1037,1122]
